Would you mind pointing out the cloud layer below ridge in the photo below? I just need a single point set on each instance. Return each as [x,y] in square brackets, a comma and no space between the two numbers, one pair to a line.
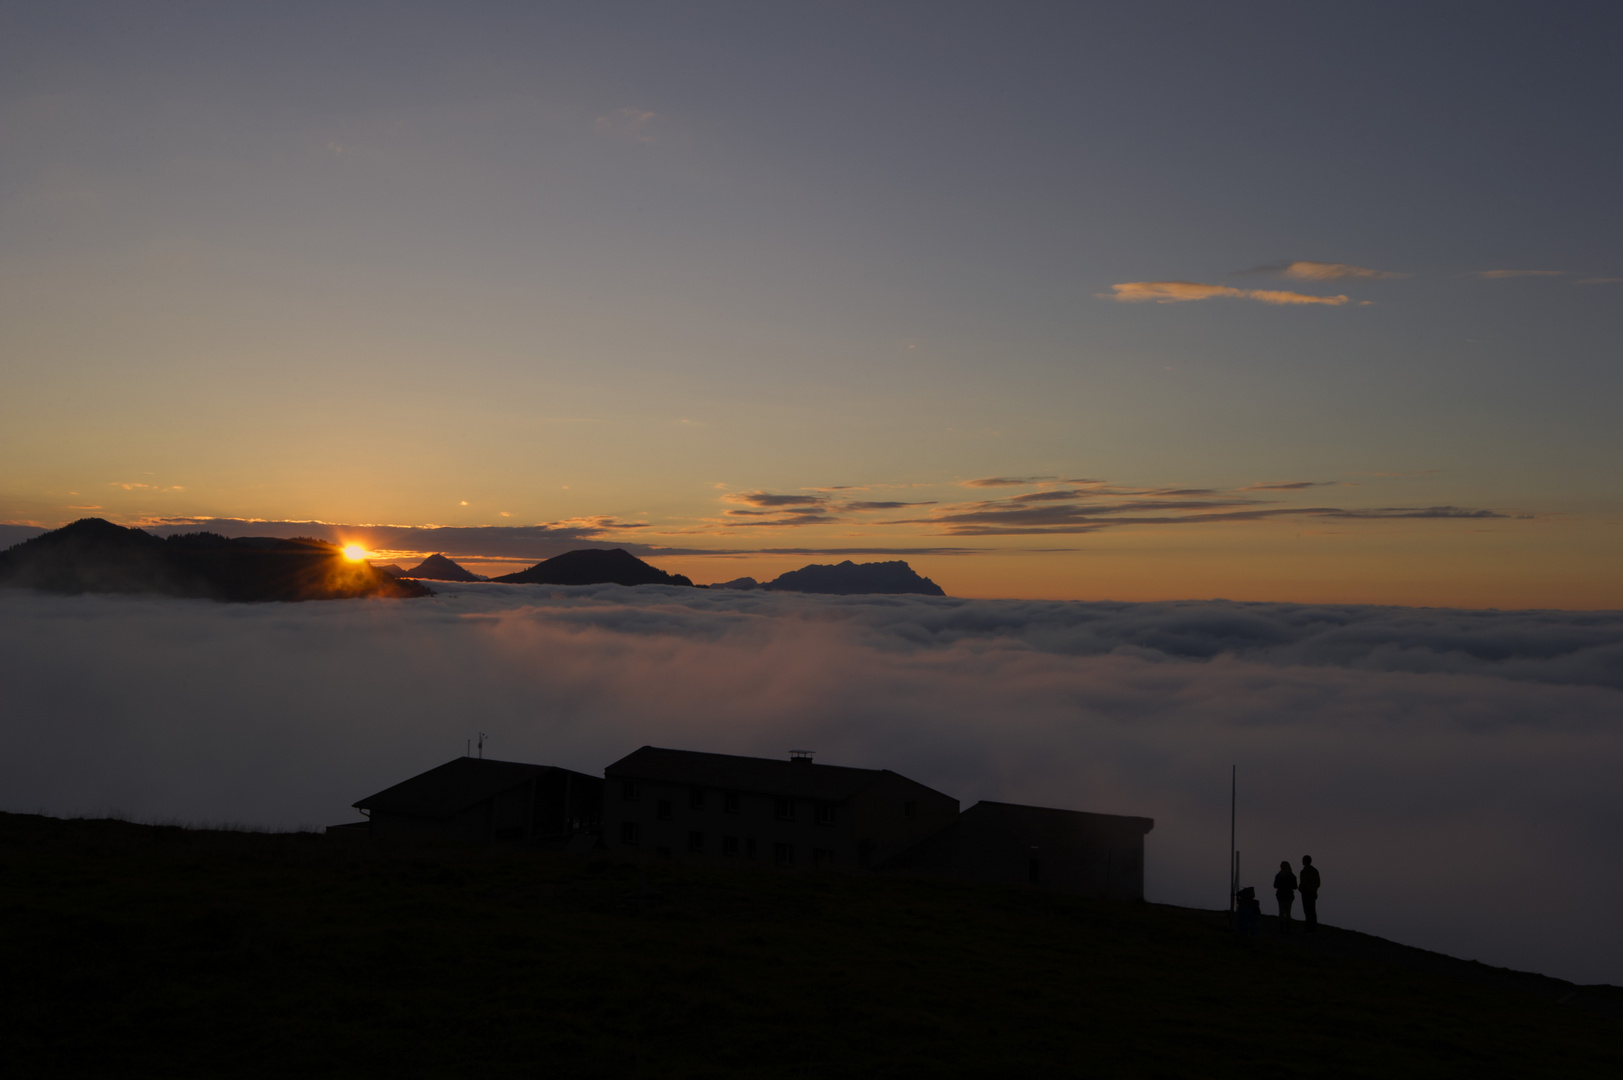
[1447,768]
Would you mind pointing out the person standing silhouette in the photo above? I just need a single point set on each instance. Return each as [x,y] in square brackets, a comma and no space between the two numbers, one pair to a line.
[1310,893]
[1285,893]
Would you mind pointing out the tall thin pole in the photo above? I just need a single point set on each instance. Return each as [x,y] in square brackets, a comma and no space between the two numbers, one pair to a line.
[1234,880]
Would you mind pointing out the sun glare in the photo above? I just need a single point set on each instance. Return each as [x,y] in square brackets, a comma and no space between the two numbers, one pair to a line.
[354,552]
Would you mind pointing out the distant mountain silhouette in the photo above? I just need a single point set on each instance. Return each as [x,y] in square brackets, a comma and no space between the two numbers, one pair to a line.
[738,583]
[439,568]
[392,569]
[594,566]
[849,578]
[93,555]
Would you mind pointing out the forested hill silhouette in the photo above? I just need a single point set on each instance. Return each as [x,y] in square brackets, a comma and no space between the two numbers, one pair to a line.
[94,555]
[594,566]
[439,568]
[849,578]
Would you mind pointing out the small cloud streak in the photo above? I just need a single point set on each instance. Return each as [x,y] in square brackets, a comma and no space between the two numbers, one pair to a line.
[1006,481]
[1599,281]
[1291,485]
[1496,275]
[1178,292]
[635,125]
[768,500]
[1308,270]
[888,505]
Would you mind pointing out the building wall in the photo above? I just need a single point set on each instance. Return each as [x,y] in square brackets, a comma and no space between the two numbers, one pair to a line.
[895,814]
[724,825]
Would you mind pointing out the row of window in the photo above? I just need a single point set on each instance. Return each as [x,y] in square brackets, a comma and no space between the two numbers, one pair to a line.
[785,809]
[731,846]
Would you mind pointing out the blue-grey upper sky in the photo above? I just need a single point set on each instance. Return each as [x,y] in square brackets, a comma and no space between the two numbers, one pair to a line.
[485,263]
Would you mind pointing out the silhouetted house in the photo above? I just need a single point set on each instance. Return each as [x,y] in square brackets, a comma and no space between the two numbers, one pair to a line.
[686,804]
[483,800]
[1093,854]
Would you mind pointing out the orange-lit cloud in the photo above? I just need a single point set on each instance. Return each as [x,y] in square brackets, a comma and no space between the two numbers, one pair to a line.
[1176,292]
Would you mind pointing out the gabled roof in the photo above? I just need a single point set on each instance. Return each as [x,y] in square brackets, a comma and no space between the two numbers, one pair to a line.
[763,776]
[453,787]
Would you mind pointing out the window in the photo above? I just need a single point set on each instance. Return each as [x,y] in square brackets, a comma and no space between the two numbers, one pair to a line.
[825,813]
[662,809]
[910,809]
[729,846]
[783,854]
[749,848]
[786,809]
[695,841]
[630,832]
[628,790]
[696,799]
[822,856]
[729,802]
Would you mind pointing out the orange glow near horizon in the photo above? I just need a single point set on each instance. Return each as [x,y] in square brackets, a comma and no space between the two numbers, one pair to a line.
[354,552]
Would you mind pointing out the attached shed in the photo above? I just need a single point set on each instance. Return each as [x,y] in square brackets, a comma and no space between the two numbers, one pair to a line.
[1098,855]
[483,800]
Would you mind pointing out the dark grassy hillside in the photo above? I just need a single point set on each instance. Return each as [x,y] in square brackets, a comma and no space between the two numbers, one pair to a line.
[133,950]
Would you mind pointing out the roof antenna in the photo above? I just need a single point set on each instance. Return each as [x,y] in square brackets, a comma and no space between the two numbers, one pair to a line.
[482,738]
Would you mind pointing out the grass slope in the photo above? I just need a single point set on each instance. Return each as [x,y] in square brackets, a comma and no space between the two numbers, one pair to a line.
[136,950]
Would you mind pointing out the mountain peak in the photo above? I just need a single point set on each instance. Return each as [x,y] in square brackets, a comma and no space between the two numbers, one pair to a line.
[850,578]
[594,566]
[438,568]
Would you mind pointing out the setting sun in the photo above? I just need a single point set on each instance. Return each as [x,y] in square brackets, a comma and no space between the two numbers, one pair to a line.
[354,552]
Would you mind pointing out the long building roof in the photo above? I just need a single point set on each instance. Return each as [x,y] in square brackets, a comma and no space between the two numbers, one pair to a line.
[453,787]
[764,776]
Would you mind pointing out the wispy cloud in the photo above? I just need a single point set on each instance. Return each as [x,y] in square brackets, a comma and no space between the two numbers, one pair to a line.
[1291,485]
[1177,292]
[1495,275]
[767,499]
[1308,270]
[886,505]
[1599,281]
[1006,481]
[635,125]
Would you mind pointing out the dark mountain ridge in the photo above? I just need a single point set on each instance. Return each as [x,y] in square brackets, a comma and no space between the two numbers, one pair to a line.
[93,555]
[594,566]
[852,579]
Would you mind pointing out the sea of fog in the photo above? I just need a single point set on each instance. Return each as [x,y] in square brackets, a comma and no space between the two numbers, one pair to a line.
[1455,774]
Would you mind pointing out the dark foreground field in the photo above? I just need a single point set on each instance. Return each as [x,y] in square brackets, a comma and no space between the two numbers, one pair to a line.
[134,950]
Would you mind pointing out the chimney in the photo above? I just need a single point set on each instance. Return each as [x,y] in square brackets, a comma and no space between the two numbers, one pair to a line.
[800,757]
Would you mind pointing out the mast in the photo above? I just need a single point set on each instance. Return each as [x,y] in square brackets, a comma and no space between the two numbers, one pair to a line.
[1234,868]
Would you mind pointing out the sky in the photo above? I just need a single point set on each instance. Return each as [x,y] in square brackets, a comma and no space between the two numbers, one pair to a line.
[1453,773]
[1157,301]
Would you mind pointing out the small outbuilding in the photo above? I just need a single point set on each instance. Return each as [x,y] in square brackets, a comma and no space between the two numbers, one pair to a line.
[484,800]
[1099,855]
